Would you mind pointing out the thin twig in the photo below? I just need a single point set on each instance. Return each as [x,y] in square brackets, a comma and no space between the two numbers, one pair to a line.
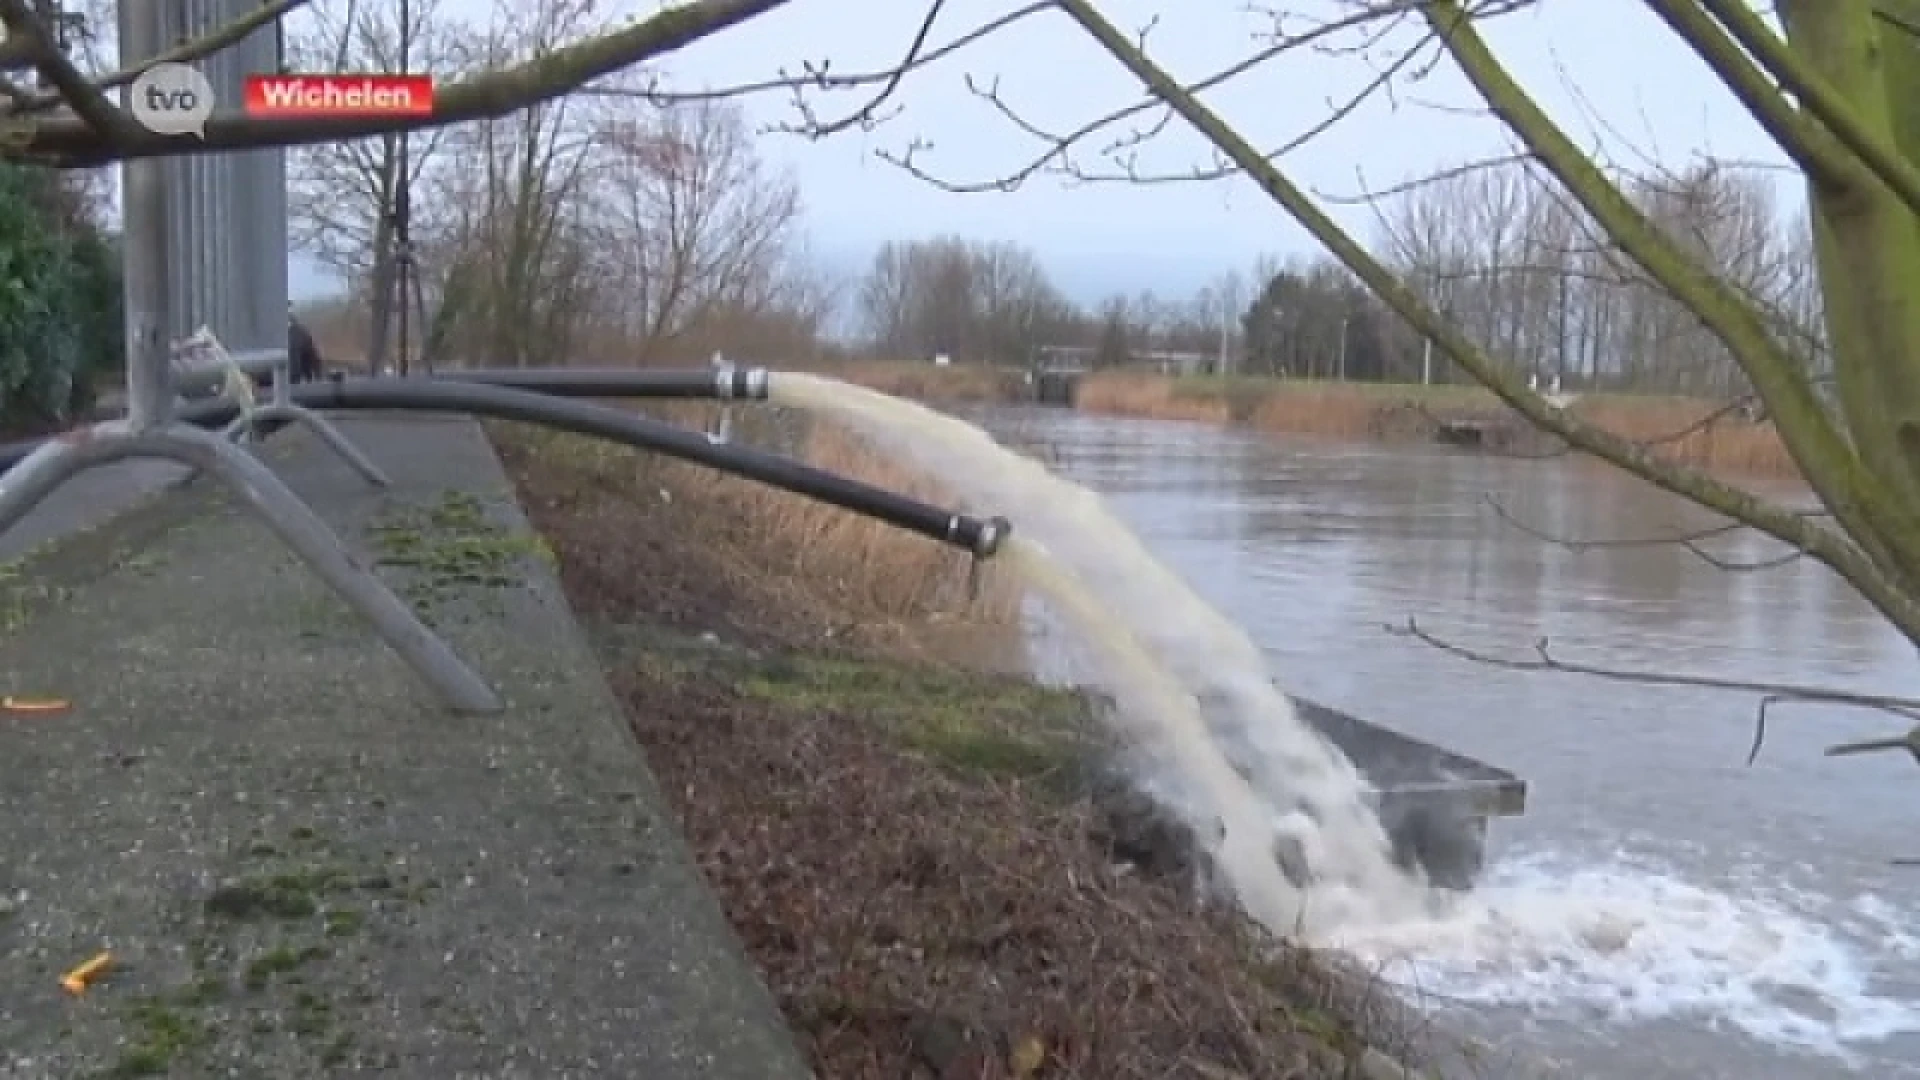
[85,99]
[820,76]
[200,48]
[1773,693]
[1059,146]
[1544,660]
[1690,541]
[866,116]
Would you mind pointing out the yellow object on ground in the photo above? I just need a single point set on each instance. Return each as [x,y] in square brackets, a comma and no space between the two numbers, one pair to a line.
[77,980]
[34,705]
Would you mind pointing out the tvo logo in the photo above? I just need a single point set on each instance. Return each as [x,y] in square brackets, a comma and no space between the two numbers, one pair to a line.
[171,99]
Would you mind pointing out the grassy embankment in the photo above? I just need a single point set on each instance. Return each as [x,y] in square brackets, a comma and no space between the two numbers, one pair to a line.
[931,864]
[1675,427]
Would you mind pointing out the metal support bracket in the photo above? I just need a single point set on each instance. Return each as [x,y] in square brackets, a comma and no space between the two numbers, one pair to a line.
[246,427]
[29,483]
[721,429]
[151,430]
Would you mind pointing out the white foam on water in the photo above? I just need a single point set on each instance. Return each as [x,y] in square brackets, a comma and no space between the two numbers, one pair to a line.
[1629,941]
[1632,941]
[1871,918]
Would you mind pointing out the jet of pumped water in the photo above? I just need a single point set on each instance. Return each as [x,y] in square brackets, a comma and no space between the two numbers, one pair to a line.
[1253,774]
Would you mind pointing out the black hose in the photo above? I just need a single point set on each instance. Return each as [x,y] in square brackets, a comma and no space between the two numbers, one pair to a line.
[707,383]
[982,537]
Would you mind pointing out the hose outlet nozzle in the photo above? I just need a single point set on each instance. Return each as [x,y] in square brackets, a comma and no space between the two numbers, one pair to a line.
[993,533]
[753,384]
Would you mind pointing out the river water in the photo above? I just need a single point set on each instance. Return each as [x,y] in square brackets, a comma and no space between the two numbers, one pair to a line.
[1662,909]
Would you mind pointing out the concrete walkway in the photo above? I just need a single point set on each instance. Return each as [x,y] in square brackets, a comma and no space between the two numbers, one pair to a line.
[300,865]
[91,499]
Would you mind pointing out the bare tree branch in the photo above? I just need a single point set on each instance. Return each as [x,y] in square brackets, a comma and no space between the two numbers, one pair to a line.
[101,116]
[819,77]
[199,48]
[1874,745]
[1056,156]
[1808,144]
[1817,97]
[1408,187]
[1688,541]
[866,114]
[1382,82]
[1774,694]
[1543,660]
[1910,742]
[72,142]
[1885,534]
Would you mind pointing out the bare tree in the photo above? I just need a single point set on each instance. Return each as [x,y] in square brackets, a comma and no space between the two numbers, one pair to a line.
[980,302]
[343,196]
[1302,323]
[1209,320]
[787,320]
[694,224]
[515,252]
[1119,334]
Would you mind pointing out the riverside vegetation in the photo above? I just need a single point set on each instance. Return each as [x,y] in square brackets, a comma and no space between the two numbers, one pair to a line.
[1699,432]
[929,858]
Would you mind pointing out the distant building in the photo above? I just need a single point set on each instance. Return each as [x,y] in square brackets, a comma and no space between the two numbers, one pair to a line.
[1165,362]
[1064,357]
[1177,363]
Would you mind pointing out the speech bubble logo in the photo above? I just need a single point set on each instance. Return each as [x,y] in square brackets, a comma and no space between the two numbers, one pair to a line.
[171,99]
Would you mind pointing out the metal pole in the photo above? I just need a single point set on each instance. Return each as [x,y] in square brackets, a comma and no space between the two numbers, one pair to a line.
[1226,313]
[403,207]
[402,255]
[145,240]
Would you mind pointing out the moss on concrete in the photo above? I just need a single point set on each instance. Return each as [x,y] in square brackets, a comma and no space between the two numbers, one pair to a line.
[162,1033]
[272,956]
[452,547]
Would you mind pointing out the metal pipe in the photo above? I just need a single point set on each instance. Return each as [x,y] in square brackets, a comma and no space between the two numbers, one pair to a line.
[145,193]
[704,384]
[258,364]
[980,536]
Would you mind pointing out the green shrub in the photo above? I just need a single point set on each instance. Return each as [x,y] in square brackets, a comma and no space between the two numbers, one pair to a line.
[60,302]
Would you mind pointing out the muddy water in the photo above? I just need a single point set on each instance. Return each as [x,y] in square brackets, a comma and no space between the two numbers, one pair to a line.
[1662,909]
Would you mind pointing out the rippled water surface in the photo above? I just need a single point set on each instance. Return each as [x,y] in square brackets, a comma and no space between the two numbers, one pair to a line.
[1662,909]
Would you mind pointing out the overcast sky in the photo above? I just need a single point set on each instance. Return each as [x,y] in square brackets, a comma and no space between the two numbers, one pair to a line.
[1607,69]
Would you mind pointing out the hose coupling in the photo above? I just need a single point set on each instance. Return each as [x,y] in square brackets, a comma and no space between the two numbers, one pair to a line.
[743,383]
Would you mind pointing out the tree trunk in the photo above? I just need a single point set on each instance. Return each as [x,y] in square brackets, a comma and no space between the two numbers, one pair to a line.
[380,304]
[1867,244]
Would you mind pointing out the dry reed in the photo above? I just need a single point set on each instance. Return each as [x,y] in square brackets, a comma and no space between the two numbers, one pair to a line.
[854,568]
[1675,428]
[875,566]
[1694,432]
[950,385]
